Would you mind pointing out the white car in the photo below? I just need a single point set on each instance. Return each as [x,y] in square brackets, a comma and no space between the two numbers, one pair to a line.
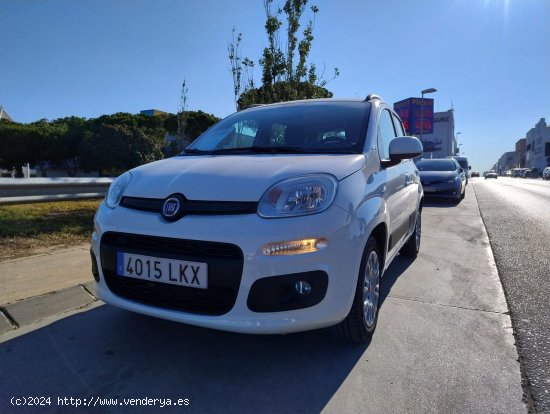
[280,218]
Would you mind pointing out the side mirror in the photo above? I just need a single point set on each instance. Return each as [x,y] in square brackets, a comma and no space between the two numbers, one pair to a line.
[405,147]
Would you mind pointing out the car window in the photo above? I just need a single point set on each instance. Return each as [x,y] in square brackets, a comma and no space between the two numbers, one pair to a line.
[386,133]
[324,127]
[398,126]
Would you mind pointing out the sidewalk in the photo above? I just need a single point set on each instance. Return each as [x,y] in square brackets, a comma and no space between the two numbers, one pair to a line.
[43,285]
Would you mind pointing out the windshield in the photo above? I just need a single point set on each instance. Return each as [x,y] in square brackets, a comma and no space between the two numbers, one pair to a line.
[305,127]
[463,162]
[436,165]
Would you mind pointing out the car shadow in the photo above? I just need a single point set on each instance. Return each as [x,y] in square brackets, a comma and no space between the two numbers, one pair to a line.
[106,352]
[399,265]
[440,202]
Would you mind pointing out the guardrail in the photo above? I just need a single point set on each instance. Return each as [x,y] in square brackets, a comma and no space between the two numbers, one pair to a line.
[36,190]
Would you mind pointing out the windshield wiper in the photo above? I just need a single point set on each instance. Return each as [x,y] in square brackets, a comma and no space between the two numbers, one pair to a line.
[195,151]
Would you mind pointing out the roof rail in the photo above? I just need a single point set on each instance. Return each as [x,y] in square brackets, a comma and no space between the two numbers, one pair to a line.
[372,96]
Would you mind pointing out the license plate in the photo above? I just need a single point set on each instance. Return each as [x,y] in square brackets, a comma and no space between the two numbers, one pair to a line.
[430,189]
[163,270]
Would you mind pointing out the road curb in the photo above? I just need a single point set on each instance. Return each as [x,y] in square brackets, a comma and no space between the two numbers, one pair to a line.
[28,311]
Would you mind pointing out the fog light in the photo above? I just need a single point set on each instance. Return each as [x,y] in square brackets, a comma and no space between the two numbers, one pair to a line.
[302,287]
[294,247]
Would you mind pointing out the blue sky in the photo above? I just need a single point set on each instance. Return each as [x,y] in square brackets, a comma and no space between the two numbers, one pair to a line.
[490,59]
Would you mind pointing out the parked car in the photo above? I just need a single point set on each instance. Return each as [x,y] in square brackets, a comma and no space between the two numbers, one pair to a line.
[546,173]
[534,173]
[475,174]
[442,178]
[531,173]
[280,218]
[518,172]
[463,162]
[491,174]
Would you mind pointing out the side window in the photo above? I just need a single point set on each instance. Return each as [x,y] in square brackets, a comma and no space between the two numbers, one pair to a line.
[385,134]
[398,126]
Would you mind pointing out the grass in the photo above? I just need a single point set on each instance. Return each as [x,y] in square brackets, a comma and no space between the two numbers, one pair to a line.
[27,229]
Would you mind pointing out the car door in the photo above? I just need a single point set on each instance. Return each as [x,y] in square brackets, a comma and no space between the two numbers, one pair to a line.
[412,179]
[396,182]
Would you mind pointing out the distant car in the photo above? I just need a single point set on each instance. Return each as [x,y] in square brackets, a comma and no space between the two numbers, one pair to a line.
[463,162]
[534,173]
[518,172]
[491,174]
[442,178]
[546,173]
[474,174]
[530,173]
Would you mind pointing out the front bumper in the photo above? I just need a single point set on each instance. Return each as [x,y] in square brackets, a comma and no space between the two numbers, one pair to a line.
[443,190]
[243,268]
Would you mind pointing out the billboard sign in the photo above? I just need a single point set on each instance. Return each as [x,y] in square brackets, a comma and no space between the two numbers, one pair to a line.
[414,112]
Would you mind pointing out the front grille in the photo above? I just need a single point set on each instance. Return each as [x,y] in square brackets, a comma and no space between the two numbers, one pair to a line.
[225,265]
[192,207]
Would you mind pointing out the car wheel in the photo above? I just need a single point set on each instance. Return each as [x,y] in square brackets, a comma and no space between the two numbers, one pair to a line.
[411,248]
[360,323]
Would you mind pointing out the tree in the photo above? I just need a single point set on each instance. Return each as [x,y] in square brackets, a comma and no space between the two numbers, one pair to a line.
[63,149]
[112,149]
[285,75]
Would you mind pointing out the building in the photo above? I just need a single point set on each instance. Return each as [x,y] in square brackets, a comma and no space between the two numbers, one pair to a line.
[506,162]
[520,153]
[442,142]
[4,114]
[537,148]
[153,112]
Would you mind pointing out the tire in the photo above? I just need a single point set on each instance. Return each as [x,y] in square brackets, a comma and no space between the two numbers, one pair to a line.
[361,321]
[412,246]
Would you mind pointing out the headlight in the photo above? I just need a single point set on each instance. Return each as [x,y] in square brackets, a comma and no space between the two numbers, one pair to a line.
[116,190]
[298,196]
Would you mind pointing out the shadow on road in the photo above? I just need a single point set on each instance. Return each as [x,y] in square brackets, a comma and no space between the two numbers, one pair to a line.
[440,203]
[110,353]
[399,265]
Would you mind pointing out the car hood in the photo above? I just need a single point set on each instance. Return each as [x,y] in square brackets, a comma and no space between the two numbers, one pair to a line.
[233,177]
[433,176]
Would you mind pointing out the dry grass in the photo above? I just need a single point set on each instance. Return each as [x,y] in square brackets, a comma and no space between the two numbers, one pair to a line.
[28,229]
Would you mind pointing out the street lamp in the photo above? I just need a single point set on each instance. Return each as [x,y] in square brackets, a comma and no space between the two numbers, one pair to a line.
[429,90]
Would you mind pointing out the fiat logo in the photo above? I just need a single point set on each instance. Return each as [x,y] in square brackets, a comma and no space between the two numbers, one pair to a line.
[171,208]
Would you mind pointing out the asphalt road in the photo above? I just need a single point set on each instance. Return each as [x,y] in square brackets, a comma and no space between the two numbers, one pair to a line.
[443,344]
[516,213]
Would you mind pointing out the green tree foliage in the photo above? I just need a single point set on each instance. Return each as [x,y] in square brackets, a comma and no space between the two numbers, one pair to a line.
[109,144]
[196,122]
[286,74]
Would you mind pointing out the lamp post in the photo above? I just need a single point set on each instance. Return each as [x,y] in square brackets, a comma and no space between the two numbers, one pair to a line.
[429,90]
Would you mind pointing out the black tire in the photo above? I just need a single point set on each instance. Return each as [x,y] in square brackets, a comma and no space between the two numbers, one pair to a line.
[412,246]
[355,328]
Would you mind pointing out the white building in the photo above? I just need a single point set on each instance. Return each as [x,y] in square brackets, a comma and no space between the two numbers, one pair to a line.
[537,149]
[442,143]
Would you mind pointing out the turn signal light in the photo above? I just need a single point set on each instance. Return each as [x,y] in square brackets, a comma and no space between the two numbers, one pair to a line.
[294,247]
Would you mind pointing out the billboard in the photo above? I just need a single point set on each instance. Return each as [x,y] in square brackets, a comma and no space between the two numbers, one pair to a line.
[414,112]
[441,143]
